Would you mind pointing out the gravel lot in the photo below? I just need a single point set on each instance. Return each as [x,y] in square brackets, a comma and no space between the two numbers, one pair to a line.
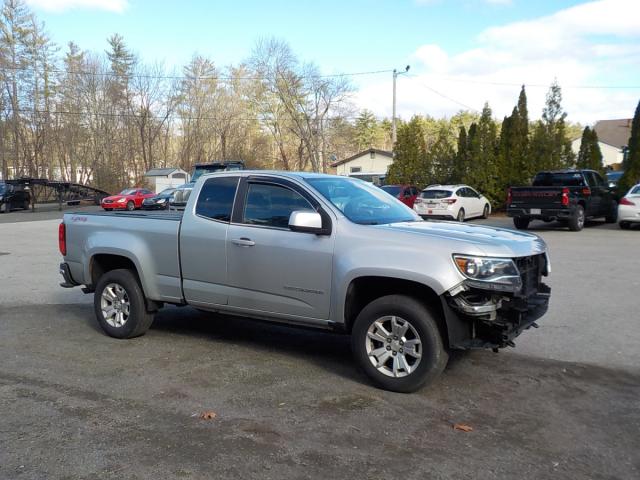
[290,403]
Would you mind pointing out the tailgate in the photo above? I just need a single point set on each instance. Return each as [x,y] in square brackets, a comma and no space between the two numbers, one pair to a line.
[536,197]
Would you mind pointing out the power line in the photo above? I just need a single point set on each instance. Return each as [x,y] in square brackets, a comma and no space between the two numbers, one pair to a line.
[222,78]
[414,77]
[532,85]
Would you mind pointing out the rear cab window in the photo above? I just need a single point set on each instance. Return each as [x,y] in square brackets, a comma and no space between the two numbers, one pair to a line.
[216,198]
[563,179]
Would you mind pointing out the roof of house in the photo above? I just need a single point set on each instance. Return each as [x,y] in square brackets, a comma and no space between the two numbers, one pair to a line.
[161,172]
[614,132]
[364,152]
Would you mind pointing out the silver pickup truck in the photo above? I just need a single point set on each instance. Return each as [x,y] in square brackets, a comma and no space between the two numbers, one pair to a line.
[314,250]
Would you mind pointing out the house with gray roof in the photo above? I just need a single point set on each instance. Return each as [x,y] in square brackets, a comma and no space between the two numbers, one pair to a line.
[613,136]
[162,178]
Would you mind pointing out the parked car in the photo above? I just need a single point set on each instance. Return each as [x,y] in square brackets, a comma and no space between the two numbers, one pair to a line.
[629,208]
[320,251]
[569,196]
[407,194]
[181,195]
[613,178]
[452,202]
[160,201]
[13,196]
[128,199]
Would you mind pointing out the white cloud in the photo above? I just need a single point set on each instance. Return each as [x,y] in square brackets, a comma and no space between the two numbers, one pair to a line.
[117,6]
[595,43]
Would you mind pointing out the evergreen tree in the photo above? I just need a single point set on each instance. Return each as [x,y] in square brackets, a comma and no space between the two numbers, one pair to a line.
[411,164]
[441,156]
[590,156]
[483,154]
[461,159]
[550,145]
[631,164]
[367,130]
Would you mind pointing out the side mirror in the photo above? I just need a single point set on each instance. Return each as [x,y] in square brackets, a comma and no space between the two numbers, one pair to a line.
[612,185]
[306,221]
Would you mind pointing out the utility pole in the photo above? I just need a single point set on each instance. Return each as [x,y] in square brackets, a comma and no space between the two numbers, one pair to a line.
[393,115]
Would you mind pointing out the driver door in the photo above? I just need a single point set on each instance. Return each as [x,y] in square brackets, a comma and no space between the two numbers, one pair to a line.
[271,268]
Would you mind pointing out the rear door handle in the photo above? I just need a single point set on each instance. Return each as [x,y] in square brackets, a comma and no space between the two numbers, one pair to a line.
[243,242]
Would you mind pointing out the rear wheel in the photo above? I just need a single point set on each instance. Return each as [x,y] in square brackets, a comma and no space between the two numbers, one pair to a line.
[131,205]
[460,216]
[521,223]
[485,211]
[4,208]
[25,205]
[625,225]
[119,305]
[576,222]
[396,341]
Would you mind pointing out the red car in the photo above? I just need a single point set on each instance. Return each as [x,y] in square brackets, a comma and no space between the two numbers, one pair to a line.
[128,199]
[407,194]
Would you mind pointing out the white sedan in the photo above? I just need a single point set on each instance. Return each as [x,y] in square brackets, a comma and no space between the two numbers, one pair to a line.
[455,202]
[629,208]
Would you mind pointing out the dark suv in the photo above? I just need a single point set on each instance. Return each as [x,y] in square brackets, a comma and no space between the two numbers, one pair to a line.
[13,196]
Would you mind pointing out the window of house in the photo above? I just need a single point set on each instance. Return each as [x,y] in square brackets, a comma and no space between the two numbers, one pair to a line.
[355,169]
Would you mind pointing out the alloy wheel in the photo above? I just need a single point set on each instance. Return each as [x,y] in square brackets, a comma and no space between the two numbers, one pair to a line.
[393,346]
[115,305]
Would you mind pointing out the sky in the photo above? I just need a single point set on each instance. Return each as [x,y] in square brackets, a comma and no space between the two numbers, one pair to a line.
[462,53]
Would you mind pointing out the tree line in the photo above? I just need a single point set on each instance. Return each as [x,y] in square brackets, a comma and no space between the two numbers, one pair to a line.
[106,118]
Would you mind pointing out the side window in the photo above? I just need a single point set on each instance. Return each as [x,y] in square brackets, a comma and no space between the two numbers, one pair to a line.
[472,193]
[461,192]
[599,180]
[414,191]
[591,181]
[271,205]
[216,198]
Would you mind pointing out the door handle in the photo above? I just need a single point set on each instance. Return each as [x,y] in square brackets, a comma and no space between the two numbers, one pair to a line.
[243,242]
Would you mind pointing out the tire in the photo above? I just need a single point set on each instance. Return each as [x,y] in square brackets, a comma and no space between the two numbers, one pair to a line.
[4,208]
[367,336]
[485,211]
[131,206]
[25,205]
[625,225]
[460,216]
[121,286]
[521,223]
[576,222]
[108,209]
[613,214]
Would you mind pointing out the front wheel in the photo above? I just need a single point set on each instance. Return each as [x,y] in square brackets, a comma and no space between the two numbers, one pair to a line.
[131,206]
[521,223]
[485,211]
[576,222]
[396,341]
[119,305]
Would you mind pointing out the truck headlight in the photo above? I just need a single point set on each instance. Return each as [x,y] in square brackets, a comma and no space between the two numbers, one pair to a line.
[489,273]
[122,200]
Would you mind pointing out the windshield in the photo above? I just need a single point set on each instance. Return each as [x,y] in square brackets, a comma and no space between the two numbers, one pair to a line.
[614,175]
[362,202]
[570,179]
[393,190]
[436,194]
[167,192]
[128,191]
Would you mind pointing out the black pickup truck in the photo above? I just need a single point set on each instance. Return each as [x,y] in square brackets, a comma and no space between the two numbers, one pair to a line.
[13,196]
[568,196]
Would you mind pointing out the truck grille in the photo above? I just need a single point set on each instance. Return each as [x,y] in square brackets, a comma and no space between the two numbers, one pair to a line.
[531,270]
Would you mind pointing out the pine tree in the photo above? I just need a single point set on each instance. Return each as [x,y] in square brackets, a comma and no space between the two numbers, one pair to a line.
[441,156]
[483,155]
[550,145]
[411,163]
[631,164]
[461,158]
[367,130]
[589,155]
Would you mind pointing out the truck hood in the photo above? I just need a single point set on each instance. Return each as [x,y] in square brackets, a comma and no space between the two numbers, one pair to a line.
[474,239]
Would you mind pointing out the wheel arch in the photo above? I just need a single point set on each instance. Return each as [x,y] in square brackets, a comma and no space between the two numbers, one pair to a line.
[363,290]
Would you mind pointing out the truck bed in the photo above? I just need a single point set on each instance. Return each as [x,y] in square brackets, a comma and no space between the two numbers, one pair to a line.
[149,239]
